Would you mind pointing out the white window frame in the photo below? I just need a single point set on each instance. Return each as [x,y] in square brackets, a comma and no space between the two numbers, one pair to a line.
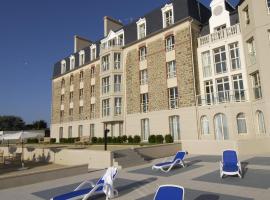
[144,102]
[117,60]
[205,128]
[144,77]
[256,84]
[165,9]
[170,43]
[63,66]
[173,98]
[238,88]
[241,123]
[222,62]
[92,72]
[142,53]
[117,106]
[171,69]
[105,62]
[72,62]
[206,64]
[105,84]
[224,94]
[81,57]
[222,129]
[141,33]
[93,48]
[81,94]
[235,55]
[105,107]
[117,81]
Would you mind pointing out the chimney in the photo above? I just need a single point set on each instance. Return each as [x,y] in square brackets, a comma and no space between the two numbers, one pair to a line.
[111,24]
[80,43]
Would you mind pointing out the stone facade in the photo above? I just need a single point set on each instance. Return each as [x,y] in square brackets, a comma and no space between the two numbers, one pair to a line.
[56,105]
[157,75]
[184,62]
[97,90]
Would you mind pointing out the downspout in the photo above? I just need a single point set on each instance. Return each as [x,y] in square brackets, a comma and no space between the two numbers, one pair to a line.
[194,80]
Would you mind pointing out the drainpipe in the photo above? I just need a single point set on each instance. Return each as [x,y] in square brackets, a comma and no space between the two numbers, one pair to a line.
[194,80]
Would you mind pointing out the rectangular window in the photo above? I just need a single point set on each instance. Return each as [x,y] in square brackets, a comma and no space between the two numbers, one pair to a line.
[92,91]
[209,92]
[143,77]
[238,86]
[117,83]
[92,130]
[92,111]
[117,60]
[105,85]
[144,102]
[82,58]
[223,89]
[168,18]
[92,72]
[80,130]
[174,127]
[81,94]
[105,63]
[81,110]
[170,43]
[72,63]
[71,97]
[235,56]
[142,31]
[173,98]
[171,69]
[62,99]
[206,64]
[70,112]
[71,80]
[145,129]
[63,67]
[61,132]
[93,54]
[70,132]
[61,115]
[246,14]
[251,50]
[106,107]
[220,60]
[142,53]
[81,76]
[117,106]
[256,83]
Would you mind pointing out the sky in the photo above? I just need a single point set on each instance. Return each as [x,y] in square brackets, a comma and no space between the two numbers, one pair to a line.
[34,34]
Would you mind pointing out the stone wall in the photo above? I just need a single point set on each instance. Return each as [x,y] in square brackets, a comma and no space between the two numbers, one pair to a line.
[56,95]
[97,90]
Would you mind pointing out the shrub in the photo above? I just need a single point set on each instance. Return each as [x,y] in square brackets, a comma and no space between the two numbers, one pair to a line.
[109,139]
[159,139]
[100,140]
[120,139]
[124,138]
[68,140]
[130,139]
[152,139]
[32,141]
[168,139]
[114,140]
[137,139]
[53,140]
[94,140]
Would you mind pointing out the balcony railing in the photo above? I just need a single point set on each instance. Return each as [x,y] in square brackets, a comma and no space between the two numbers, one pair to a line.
[144,107]
[169,47]
[174,103]
[106,47]
[220,35]
[144,81]
[171,74]
[230,96]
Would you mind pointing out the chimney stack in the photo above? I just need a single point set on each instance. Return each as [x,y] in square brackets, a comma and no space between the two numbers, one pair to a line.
[80,43]
[111,24]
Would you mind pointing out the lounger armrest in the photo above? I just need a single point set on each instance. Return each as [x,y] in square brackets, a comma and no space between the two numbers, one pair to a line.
[87,182]
[221,164]
[92,191]
[239,165]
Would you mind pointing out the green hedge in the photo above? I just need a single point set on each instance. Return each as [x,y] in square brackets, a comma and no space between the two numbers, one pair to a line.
[168,139]
[32,141]
[52,140]
[118,140]
[159,139]
[68,140]
[152,139]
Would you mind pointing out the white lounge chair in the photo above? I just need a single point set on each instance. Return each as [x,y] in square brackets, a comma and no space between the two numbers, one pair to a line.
[230,165]
[93,189]
[167,166]
[171,192]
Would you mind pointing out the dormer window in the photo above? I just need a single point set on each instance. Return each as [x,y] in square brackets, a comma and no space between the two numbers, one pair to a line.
[82,58]
[121,40]
[170,43]
[167,15]
[141,28]
[93,52]
[72,62]
[246,13]
[219,28]
[63,66]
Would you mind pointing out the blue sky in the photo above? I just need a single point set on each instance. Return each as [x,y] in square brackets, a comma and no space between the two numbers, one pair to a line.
[34,34]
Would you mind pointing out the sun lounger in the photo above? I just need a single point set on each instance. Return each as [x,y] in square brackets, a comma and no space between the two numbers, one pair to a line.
[171,192]
[167,166]
[82,192]
[230,164]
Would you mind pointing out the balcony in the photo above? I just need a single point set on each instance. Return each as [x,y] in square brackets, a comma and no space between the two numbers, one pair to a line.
[219,35]
[232,96]
[104,48]
[173,103]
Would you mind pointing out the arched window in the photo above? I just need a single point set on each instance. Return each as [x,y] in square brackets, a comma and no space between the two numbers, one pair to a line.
[63,83]
[241,123]
[261,124]
[205,125]
[221,127]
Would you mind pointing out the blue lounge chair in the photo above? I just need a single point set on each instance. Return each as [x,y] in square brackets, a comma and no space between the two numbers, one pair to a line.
[82,192]
[167,166]
[230,164]
[171,192]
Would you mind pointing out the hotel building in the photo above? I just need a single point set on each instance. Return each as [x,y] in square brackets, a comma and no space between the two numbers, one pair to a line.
[181,69]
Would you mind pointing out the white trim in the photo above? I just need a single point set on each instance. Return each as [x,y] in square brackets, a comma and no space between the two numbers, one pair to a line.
[165,9]
[81,62]
[63,66]
[72,57]
[93,47]
[139,23]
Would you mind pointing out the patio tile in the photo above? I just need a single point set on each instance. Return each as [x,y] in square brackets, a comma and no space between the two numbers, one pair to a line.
[259,161]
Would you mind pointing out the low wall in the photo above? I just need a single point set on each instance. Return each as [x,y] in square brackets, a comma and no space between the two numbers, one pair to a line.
[159,151]
[69,157]
[37,177]
[258,146]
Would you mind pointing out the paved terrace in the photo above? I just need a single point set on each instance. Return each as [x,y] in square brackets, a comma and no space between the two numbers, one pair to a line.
[200,180]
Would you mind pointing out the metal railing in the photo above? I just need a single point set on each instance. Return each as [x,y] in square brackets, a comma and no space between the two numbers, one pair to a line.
[144,81]
[173,103]
[169,47]
[144,107]
[169,21]
[171,74]
[220,35]
[230,96]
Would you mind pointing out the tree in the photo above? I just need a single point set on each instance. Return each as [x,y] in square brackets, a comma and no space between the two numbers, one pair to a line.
[39,125]
[11,123]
